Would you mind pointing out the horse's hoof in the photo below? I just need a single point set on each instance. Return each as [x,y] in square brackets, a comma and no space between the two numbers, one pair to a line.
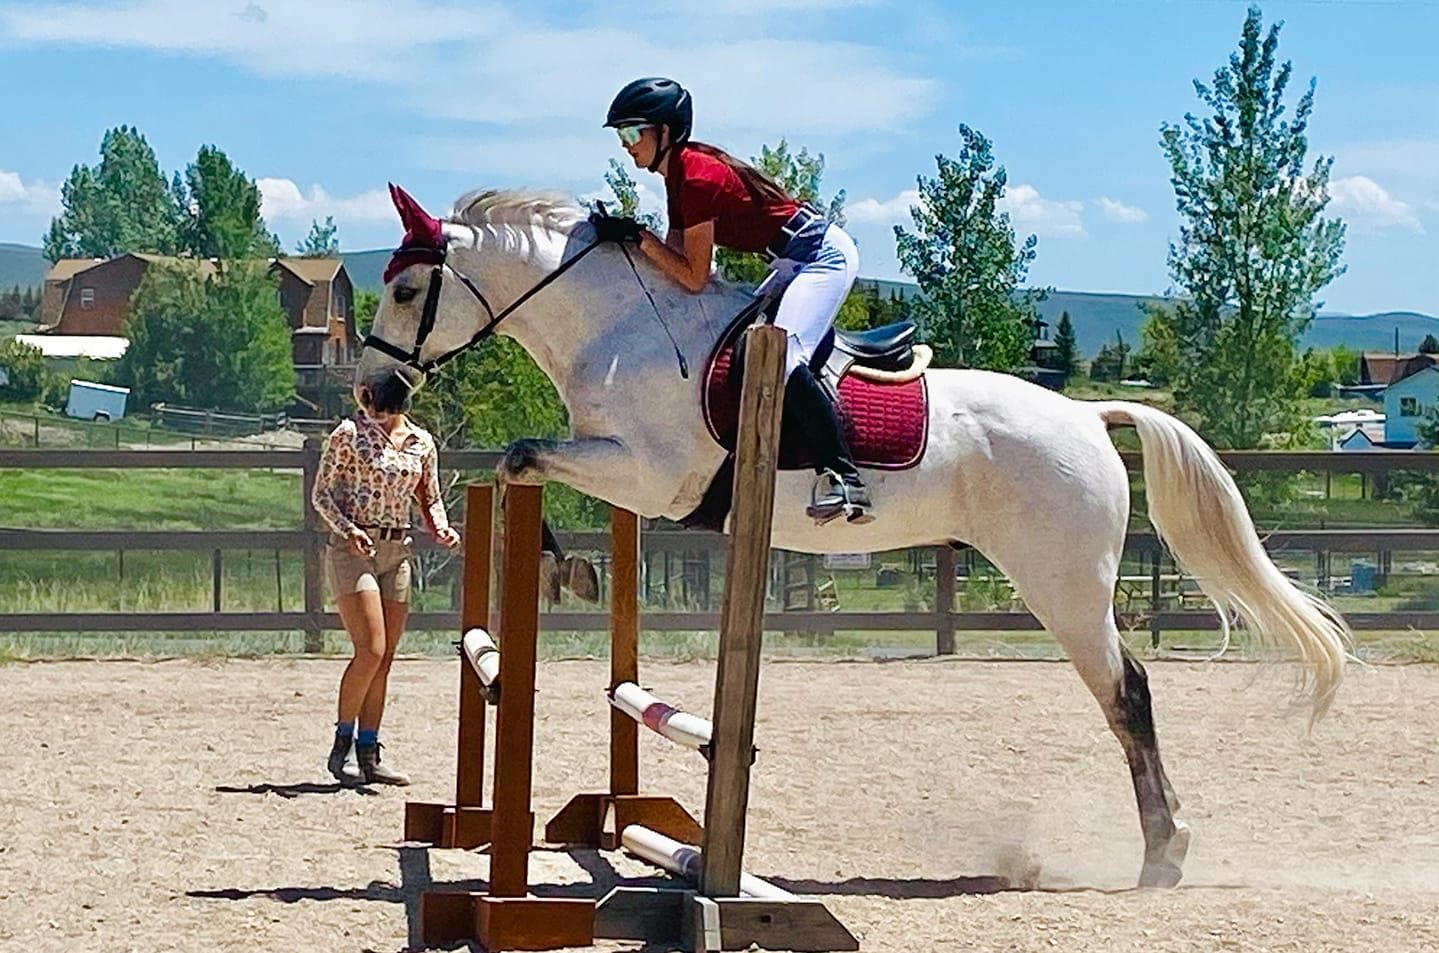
[1167,868]
[579,578]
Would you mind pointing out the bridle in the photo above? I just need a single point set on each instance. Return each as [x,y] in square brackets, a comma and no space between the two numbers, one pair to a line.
[436,258]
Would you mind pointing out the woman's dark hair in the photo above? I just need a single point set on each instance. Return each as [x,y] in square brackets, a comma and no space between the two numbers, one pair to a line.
[765,190]
[392,395]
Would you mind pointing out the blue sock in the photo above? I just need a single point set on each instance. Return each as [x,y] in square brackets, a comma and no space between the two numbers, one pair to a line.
[368,736]
[346,730]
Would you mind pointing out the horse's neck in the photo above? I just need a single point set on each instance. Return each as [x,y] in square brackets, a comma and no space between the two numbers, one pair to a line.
[601,302]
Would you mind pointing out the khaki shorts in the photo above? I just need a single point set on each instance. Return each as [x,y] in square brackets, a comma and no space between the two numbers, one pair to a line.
[387,572]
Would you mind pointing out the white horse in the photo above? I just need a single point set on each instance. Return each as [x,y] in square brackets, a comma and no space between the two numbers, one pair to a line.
[1027,476]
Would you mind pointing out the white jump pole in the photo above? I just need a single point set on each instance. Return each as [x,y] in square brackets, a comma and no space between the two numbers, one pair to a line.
[484,657]
[685,861]
[690,731]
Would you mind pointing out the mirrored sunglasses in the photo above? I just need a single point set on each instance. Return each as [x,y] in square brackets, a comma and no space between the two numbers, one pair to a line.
[630,135]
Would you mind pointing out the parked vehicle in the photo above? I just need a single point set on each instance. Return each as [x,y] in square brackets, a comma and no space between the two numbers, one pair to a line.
[98,402]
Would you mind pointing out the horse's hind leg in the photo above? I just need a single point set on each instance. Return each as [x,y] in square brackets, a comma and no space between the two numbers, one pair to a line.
[1166,841]
[1075,605]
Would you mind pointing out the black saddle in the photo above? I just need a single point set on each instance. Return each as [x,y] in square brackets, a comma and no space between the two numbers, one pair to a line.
[889,347]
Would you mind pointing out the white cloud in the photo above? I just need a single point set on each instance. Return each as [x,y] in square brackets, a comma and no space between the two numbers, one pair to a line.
[35,197]
[893,211]
[1117,211]
[283,201]
[1028,211]
[465,61]
[1031,212]
[1368,205]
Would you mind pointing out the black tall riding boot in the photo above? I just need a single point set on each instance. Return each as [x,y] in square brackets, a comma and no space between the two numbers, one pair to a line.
[806,401]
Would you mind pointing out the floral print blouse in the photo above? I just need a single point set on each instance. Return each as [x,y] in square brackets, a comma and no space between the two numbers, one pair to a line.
[366,481]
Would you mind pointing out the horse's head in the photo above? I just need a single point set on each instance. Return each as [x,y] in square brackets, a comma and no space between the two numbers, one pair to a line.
[428,311]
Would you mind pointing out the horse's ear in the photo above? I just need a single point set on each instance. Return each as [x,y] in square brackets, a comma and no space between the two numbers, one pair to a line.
[421,228]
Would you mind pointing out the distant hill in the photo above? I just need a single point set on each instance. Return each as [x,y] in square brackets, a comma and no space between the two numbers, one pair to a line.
[21,265]
[367,268]
[1096,317]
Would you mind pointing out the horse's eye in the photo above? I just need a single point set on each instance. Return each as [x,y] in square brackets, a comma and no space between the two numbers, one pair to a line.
[404,293]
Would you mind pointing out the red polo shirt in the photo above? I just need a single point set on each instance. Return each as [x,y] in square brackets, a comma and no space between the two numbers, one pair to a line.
[701,188]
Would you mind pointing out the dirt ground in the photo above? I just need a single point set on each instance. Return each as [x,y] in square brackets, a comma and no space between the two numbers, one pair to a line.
[184,805]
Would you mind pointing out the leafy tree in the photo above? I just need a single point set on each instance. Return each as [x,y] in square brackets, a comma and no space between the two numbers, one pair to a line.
[1346,365]
[221,210]
[1430,345]
[120,205]
[22,371]
[1253,248]
[367,302]
[1423,488]
[1066,347]
[1158,358]
[1112,361]
[492,395]
[321,242]
[627,197]
[18,304]
[963,254]
[217,340]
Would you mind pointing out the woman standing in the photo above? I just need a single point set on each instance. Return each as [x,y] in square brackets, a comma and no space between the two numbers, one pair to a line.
[374,465]
[715,199]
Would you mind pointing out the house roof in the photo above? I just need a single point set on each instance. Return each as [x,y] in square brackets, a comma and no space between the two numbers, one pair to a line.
[1414,370]
[1389,368]
[67,268]
[99,347]
[311,270]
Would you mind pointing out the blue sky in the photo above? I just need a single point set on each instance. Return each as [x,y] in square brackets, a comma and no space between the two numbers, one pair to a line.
[325,101]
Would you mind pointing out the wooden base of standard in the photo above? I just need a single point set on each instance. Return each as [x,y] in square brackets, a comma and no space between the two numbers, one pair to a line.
[660,915]
[506,923]
[445,825]
[596,820]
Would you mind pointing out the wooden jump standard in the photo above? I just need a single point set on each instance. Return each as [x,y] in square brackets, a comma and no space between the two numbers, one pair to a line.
[593,819]
[729,911]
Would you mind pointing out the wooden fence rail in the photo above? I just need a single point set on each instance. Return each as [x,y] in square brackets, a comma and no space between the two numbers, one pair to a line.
[941,620]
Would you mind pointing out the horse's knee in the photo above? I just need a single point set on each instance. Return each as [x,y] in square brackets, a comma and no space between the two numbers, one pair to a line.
[522,462]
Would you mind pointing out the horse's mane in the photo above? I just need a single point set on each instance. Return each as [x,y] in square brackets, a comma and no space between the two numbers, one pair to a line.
[517,207]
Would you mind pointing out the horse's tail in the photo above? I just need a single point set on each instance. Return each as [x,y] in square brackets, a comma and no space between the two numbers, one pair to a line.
[1201,516]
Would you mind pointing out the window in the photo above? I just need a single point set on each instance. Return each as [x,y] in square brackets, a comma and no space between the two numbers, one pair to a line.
[87,299]
[1409,407]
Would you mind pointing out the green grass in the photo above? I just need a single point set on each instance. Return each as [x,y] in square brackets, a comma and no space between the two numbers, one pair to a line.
[150,499]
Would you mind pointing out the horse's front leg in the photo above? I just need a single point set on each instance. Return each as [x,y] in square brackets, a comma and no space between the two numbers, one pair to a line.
[596,466]
[591,465]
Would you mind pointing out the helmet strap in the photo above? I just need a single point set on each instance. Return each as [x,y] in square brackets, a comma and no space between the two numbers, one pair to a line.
[662,151]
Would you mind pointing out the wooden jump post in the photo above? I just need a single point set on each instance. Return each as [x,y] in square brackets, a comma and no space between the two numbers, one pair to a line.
[466,823]
[593,819]
[729,911]
[718,916]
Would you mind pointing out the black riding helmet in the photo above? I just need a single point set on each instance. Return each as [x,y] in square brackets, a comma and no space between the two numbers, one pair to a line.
[656,101]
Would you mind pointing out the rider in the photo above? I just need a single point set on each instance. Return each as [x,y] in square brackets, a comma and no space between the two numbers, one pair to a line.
[714,198]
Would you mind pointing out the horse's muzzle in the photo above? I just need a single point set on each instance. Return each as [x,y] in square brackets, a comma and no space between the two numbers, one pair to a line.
[392,391]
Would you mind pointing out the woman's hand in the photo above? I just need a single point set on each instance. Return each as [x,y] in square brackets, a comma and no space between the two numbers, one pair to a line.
[448,538]
[360,542]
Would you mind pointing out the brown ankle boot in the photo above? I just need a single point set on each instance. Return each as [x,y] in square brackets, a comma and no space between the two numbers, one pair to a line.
[368,758]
